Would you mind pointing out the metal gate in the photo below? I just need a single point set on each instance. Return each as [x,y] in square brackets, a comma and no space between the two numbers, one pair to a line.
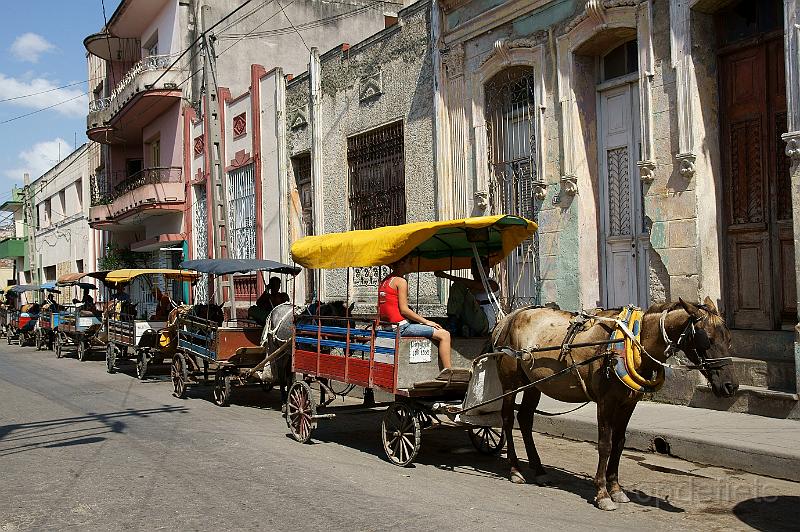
[200,227]
[242,222]
[511,130]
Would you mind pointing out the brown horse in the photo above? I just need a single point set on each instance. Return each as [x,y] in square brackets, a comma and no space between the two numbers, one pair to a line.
[697,330]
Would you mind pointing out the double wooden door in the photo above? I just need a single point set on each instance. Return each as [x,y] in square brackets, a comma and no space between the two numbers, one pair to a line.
[759,243]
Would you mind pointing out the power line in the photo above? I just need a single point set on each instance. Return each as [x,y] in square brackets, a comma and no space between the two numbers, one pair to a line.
[44,108]
[285,14]
[48,90]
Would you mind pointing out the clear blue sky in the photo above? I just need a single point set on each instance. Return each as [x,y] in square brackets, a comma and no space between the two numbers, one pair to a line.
[41,47]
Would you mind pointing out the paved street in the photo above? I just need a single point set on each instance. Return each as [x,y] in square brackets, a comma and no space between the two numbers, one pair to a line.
[82,449]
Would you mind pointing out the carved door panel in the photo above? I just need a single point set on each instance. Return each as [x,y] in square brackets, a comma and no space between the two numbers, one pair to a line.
[760,250]
[624,241]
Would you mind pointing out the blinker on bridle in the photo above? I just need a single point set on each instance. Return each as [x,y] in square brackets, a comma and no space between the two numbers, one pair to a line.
[693,339]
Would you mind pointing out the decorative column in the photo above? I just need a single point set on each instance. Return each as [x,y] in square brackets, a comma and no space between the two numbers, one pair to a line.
[792,138]
[647,164]
[681,56]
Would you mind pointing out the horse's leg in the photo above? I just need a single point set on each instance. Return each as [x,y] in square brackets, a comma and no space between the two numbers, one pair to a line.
[530,400]
[508,427]
[621,419]
[605,418]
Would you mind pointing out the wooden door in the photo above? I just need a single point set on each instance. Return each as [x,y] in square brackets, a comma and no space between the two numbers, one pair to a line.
[759,243]
[625,252]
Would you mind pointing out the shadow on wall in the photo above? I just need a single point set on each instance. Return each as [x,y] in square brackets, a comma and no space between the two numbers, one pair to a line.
[658,279]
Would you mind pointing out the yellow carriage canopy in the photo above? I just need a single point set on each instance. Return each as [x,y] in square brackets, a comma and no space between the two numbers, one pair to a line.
[443,245]
[127,275]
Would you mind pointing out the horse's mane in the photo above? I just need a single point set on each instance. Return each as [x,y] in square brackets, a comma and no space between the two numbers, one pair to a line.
[707,313]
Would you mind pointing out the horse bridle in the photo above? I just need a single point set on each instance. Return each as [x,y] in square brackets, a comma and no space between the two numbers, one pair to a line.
[692,339]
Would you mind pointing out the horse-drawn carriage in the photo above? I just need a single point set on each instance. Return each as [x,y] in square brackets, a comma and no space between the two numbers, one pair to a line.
[134,334]
[367,353]
[234,353]
[80,327]
[22,318]
[48,320]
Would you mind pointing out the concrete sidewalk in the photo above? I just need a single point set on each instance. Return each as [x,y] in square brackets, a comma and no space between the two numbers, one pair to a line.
[761,445]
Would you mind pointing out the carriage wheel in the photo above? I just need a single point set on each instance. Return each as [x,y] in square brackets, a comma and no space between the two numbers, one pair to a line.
[401,434]
[301,411]
[179,374]
[111,359]
[222,389]
[141,364]
[487,440]
[81,350]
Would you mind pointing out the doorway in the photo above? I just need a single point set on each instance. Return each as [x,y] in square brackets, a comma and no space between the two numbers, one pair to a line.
[625,241]
[759,247]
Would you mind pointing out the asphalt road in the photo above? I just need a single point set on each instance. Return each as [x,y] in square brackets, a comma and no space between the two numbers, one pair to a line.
[84,450]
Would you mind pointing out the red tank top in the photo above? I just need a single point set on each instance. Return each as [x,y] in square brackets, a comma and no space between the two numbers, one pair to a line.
[388,303]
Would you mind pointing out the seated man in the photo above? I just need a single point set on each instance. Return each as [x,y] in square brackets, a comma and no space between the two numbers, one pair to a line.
[271,298]
[87,303]
[120,295]
[164,305]
[469,310]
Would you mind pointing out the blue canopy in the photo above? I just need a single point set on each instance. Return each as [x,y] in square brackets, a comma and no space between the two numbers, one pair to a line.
[226,266]
[22,288]
[48,286]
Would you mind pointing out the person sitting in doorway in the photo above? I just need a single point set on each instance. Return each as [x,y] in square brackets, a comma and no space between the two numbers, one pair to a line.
[271,298]
[470,311]
[393,308]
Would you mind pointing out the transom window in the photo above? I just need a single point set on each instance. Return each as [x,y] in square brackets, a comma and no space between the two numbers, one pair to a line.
[621,61]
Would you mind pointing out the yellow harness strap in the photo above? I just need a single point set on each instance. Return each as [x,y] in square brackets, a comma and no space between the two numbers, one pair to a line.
[630,359]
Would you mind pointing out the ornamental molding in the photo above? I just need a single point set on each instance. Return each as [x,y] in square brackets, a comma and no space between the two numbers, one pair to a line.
[569,184]
[298,117]
[596,10]
[502,49]
[241,158]
[239,125]
[647,171]
[792,150]
[371,86]
[687,164]
[539,190]
[480,201]
[199,145]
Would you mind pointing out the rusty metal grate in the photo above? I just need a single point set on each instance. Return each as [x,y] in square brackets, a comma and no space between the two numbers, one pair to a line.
[377,177]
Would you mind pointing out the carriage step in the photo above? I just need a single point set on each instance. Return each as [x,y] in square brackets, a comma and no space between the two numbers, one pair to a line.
[323,416]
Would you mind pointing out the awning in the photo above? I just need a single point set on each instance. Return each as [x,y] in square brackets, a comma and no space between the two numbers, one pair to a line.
[226,266]
[69,279]
[435,245]
[22,288]
[129,274]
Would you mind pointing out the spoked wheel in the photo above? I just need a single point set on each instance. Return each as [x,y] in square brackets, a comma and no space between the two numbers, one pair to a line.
[487,440]
[111,359]
[59,352]
[222,389]
[179,376]
[401,434]
[141,364]
[301,412]
[39,340]
[82,350]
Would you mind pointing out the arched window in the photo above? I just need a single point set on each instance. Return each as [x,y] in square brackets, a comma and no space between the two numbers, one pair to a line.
[620,61]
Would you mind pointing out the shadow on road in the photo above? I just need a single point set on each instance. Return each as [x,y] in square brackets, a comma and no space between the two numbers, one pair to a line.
[769,513]
[70,431]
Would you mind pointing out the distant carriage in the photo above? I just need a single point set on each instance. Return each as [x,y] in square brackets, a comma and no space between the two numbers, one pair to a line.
[21,319]
[80,327]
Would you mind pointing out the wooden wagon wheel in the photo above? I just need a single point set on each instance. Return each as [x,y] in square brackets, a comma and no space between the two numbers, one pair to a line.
[111,358]
[222,389]
[141,363]
[180,376]
[81,350]
[301,411]
[487,440]
[401,434]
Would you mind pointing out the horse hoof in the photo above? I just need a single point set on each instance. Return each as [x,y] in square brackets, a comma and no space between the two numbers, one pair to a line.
[606,504]
[619,497]
[542,480]
[517,478]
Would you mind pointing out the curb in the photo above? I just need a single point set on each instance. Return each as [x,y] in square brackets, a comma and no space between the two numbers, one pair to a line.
[694,449]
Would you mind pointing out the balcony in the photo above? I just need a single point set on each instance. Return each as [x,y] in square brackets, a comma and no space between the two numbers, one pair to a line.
[137,99]
[150,192]
[12,247]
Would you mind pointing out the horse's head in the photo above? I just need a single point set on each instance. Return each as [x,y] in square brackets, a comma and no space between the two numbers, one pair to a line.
[335,308]
[706,341]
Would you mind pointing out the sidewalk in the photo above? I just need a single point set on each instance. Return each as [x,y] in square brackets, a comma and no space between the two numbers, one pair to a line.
[761,445]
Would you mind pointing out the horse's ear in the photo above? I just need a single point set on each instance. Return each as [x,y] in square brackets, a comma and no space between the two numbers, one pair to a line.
[709,303]
[688,307]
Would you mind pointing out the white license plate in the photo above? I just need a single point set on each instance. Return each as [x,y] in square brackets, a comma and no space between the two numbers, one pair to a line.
[420,352]
[85,322]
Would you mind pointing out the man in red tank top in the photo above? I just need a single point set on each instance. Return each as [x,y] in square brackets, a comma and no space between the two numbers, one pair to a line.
[393,308]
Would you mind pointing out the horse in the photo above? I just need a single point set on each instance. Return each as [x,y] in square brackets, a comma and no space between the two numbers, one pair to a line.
[696,329]
[279,329]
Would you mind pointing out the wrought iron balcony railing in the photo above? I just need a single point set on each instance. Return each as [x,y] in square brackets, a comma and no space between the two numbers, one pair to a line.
[151,62]
[103,193]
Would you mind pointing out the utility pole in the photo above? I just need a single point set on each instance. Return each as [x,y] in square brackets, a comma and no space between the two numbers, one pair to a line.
[219,194]
[30,225]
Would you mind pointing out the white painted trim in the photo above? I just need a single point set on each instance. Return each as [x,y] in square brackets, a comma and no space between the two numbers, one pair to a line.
[681,58]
